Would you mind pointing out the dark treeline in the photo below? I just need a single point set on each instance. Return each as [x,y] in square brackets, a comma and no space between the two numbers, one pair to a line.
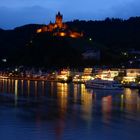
[22,46]
[116,33]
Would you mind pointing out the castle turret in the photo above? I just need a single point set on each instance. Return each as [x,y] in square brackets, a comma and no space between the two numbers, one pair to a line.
[59,20]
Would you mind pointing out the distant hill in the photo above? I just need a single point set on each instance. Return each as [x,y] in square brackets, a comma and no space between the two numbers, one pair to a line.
[23,46]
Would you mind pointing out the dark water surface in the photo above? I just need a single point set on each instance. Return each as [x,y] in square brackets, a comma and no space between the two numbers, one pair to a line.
[36,110]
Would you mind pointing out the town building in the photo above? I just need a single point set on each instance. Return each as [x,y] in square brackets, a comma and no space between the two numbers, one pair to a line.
[107,74]
[91,54]
[131,75]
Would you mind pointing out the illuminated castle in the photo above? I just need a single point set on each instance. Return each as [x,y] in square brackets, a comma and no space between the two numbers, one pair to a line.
[59,28]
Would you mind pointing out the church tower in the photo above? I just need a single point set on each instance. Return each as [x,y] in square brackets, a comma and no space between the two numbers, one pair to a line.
[59,20]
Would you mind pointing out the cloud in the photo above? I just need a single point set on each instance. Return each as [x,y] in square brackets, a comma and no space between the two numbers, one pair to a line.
[19,12]
[30,3]
[12,17]
[124,10]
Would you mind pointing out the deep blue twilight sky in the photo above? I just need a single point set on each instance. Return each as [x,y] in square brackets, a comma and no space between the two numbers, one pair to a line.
[19,12]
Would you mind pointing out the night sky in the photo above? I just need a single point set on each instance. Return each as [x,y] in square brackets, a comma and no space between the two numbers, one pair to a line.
[19,12]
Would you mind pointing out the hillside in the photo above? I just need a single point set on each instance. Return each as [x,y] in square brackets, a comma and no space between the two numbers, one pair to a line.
[22,46]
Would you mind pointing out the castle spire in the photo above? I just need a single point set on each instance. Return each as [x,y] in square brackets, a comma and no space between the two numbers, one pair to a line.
[59,20]
[59,13]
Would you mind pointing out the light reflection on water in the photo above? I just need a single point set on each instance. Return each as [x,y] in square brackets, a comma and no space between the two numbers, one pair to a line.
[67,111]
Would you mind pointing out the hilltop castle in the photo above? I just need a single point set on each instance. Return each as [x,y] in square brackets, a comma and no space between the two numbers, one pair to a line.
[59,28]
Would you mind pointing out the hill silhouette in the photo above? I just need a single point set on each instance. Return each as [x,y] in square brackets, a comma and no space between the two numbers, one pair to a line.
[22,46]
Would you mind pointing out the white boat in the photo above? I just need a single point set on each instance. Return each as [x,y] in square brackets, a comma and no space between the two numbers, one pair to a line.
[103,84]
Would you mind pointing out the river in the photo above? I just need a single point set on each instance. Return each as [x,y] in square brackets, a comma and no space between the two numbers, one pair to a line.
[38,110]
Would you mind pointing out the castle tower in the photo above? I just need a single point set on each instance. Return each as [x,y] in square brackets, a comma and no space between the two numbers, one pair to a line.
[59,20]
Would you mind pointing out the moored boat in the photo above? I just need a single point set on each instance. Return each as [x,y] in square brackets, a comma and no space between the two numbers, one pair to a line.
[103,84]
